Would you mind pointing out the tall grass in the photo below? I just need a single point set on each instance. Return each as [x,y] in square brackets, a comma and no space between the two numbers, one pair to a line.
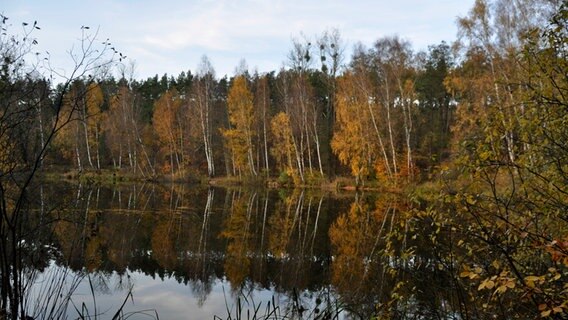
[296,307]
[50,295]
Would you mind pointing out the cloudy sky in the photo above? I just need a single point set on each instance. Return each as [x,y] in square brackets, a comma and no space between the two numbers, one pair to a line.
[169,36]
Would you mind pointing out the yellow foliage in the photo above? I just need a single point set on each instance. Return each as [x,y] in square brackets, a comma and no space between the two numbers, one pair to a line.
[163,246]
[353,238]
[352,141]
[167,124]
[164,119]
[282,147]
[240,105]
[236,231]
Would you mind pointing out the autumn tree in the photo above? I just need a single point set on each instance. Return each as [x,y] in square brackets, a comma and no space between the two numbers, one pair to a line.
[65,142]
[82,140]
[511,110]
[391,61]
[168,123]
[283,85]
[380,86]
[202,101]
[124,133]
[262,103]
[354,140]
[361,114]
[490,38]
[283,149]
[92,123]
[298,99]
[239,136]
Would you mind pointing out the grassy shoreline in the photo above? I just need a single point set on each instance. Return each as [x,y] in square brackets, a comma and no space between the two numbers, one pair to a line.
[109,176]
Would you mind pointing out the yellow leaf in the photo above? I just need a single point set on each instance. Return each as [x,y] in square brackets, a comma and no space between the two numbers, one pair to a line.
[501,289]
[489,284]
[464,274]
[532,278]
[545,313]
[484,155]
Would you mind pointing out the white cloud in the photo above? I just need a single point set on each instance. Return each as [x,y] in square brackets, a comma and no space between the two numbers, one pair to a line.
[170,36]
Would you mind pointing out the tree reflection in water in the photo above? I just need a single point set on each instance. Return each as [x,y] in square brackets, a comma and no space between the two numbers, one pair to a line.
[253,238]
[366,254]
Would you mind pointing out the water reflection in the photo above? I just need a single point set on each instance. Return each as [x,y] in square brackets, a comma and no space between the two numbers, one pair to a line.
[243,240]
[189,249]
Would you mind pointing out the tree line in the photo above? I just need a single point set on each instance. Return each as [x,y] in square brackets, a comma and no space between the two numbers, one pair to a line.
[301,122]
[391,113]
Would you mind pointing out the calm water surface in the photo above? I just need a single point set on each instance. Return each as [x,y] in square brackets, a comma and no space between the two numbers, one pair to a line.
[192,253]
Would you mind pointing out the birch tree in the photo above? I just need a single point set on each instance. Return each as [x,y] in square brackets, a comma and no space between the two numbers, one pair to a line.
[262,106]
[201,99]
[167,123]
[124,133]
[240,136]
[353,140]
[282,146]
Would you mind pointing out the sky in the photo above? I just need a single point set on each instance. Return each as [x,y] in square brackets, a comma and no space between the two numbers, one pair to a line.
[170,36]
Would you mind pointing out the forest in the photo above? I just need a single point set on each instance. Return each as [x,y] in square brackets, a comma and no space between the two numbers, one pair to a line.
[389,115]
[298,123]
[474,132]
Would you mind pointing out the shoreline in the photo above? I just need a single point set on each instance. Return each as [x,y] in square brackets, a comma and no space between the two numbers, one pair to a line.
[109,176]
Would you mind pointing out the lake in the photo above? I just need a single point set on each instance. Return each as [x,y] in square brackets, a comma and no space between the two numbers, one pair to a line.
[180,252]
